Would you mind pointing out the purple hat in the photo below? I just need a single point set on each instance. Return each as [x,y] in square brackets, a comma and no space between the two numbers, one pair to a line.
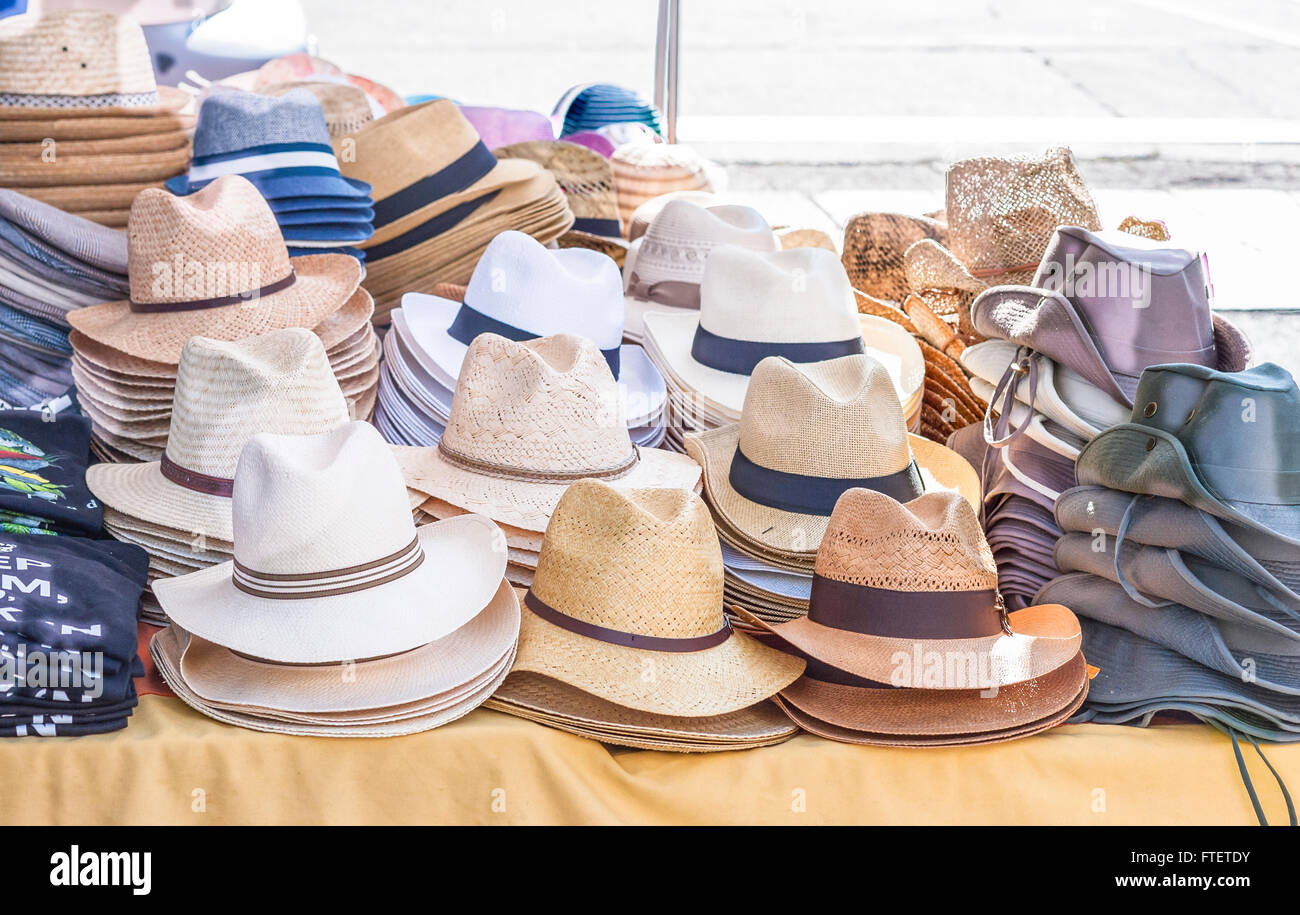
[503,126]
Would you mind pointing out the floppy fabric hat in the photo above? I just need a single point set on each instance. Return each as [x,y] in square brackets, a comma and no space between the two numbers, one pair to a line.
[1222,442]
[593,105]
[807,434]
[665,271]
[528,419]
[595,619]
[646,170]
[226,392]
[585,177]
[500,127]
[213,264]
[1108,305]
[328,565]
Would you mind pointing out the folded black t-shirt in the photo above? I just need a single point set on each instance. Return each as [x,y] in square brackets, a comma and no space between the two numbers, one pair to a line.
[43,458]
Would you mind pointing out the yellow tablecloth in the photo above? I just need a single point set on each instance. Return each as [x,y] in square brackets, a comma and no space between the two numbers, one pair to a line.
[173,766]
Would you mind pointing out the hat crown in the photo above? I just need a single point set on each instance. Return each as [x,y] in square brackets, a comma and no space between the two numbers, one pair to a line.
[838,418]
[411,143]
[583,174]
[545,291]
[796,296]
[542,407]
[933,543]
[75,53]
[227,392]
[643,561]
[233,121]
[221,241]
[307,504]
[346,107]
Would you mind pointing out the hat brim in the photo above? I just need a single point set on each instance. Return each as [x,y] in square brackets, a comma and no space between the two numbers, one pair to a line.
[141,491]
[464,562]
[940,467]
[286,186]
[1044,637]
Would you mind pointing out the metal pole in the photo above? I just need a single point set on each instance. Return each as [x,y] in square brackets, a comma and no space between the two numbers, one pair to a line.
[674,56]
[661,53]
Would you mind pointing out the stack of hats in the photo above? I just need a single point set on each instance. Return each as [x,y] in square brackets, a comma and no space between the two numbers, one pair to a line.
[282,146]
[178,508]
[597,618]
[588,184]
[908,642]
[212,264]
[1061,364]
[527,420]
[51,262]
[807,433]
[83,125]
[643,171]
[1182,548]
[68,631]
[337,617]
[440,197]
[520,290]
[752,304]
[590,106]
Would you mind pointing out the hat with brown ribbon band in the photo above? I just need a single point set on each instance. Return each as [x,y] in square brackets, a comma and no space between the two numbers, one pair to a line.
[226,392]
[328,564]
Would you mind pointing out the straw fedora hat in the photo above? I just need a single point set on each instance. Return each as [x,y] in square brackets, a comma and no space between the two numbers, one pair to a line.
[347,107]
[328,564]
[225,394]
[919,579]
[595,618]
[527,420]
[585,177]
[807,434]
[213,264]
[665,266]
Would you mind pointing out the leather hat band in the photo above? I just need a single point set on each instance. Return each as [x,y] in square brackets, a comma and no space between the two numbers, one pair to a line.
[624,639]
[238,298]
[329,584]
[198,482]
[907,614]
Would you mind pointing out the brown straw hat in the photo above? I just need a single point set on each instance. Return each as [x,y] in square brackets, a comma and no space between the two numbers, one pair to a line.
[213,264]
[586,178]
[807,433]
[630,581]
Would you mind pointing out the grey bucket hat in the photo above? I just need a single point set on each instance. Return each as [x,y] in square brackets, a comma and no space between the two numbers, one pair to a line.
[1110,304]
[1227,443]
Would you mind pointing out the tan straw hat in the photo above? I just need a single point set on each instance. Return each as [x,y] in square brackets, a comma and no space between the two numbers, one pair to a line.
[347,107]
[328,565]
[630,581]
[584,175]
[225,394]
[213,264]
[807,434]
[528,419]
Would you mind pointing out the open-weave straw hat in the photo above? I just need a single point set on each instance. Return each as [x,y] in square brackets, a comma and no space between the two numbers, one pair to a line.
[807,434]
[630,579]
[225,394]
[328,564]
[528,419]
[584,175]
[875,245]
[213,264]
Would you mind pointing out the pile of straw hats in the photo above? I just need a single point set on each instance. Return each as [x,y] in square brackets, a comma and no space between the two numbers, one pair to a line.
[83,125]
[337,617]
[807,433]
[908,642]
[520,290]
[643,171]
[281,144]
[796,304]
[631,647]
[211,264]
[528,419]
[440,197]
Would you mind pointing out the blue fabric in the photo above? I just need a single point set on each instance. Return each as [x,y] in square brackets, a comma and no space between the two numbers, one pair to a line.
[361,215]
[604,103]
[739,357]
[328,231]
[470,322]
[457,176]
[810,495]
[281,183]
[25,327]
[434,227]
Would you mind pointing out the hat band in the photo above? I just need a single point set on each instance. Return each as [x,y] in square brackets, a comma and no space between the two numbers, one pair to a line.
[457,176]
[892,614]
[674,293]
[198,482]
[238,298]
[985,272]
[809,495]
[329,584]
[69,102]
[608,228]
[470,322]
[739,357]
[624,639]
[530,476]
[423,232]
[272,157]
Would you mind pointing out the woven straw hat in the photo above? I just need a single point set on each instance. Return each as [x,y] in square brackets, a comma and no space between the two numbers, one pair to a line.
[595,609]
[527,420]
[347,108]
[665,266]
[328,565]
[646,170]
[906,595]
[584,175]
[807,434]
[213,264]
[225,394]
